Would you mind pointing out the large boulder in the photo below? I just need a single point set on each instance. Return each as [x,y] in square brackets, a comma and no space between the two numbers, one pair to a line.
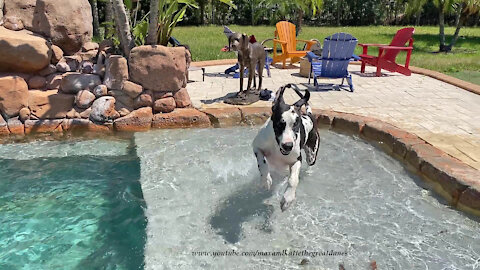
[103,110]
[158,68]
[116,72]
[68,24]
[50,104]
[23,51]
[138,120]
[13,95]
[74,82]
[22,9]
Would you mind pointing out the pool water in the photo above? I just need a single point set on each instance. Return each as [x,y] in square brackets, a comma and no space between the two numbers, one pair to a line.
[71,205]
[171,199]
[203,194]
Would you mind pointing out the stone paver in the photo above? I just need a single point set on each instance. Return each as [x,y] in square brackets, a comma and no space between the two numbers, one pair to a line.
[442,114]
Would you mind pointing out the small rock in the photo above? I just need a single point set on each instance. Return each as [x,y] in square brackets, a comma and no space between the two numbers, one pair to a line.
[63,67]
[120,97]
[24,114]
[132,89]
[143,100]
[73,61]
[103,110]
[125,109]
[36,82]
[99,69]
[86,114]
[159,95]
[13,23]
[54,80]
[88,46]
[116,72]
[86,67]
[102,56]
[123,112]
[74,82]
[73,114]
[88,56]
[182,98]
[47,70]
[57,54]
[100,90]
[164,105]
[106,45]
[84,99]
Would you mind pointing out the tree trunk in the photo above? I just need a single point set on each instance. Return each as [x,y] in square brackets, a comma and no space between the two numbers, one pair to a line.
[108,11]
[96,23]
[202,12]
[213,12]
[123,27]
[417,17]
[396,12]
[458,25]
[441,23]
[252,12]
[153,24]
[299,21]
[339,2]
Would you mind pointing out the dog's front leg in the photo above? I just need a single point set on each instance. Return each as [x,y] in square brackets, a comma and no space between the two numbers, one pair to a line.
[289,195]
[263,168]
[261,66]
[251,75]
[242,70]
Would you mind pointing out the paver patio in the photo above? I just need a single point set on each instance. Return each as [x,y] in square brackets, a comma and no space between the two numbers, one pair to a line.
[444,115]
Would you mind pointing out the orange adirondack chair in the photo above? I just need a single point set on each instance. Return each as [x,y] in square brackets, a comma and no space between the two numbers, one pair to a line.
[388,53]
[285,36]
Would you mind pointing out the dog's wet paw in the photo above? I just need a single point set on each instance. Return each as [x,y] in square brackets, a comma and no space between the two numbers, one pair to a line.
[284,204]
[267,182]
[287,199]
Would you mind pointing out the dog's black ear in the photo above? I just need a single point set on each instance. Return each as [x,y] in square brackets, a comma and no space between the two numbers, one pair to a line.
[279,97]
[304,99]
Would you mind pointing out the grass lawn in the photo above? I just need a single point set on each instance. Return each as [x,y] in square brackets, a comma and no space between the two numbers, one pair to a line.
[464,62]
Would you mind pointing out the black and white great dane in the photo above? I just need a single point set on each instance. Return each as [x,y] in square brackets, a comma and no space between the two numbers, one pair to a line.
[281,139]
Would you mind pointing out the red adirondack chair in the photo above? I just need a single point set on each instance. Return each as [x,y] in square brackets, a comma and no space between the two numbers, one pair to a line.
[388,53]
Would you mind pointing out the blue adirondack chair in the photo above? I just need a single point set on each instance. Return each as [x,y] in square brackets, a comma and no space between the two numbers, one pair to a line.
[336,55]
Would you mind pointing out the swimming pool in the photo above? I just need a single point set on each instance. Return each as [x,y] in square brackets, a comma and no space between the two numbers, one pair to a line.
[172,199]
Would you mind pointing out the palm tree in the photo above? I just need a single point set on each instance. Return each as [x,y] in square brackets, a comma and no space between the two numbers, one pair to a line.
[444,7]
[300,7]
[123,27]
[96,23]
[203,3]
[415,7]
[463,8]
[152,26]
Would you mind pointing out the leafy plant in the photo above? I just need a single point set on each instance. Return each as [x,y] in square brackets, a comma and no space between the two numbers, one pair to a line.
[140,30]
